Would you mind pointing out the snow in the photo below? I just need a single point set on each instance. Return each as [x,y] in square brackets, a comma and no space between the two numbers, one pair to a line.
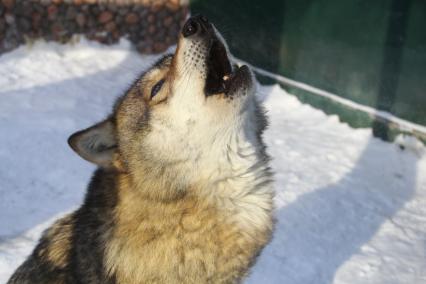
[350,208]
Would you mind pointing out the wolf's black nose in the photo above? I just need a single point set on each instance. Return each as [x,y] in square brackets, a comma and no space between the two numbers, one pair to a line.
[194,25]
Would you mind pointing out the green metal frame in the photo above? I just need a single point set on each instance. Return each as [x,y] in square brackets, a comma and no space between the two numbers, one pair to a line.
[371,52]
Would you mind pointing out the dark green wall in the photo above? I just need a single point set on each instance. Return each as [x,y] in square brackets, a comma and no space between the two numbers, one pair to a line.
[372,52]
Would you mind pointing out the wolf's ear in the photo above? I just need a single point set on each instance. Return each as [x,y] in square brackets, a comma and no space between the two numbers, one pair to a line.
[96,144]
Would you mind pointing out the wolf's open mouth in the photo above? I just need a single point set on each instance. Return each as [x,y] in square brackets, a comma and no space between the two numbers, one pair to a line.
[221,77]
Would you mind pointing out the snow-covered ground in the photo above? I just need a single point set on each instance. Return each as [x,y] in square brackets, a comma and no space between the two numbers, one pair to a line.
[350,208]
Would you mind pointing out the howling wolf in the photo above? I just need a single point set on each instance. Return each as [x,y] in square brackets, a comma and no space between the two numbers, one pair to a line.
[183,190]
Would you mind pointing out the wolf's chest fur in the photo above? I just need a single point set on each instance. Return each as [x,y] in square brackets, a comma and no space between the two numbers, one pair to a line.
[194,239]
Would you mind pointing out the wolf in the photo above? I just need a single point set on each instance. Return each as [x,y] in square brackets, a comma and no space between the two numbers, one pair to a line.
[183,189]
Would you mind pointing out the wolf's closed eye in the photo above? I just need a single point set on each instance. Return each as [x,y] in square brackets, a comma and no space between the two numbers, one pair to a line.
[156,88]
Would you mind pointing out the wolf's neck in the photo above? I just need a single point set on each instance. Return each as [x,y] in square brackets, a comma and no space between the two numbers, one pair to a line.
[239,181]
[234,178]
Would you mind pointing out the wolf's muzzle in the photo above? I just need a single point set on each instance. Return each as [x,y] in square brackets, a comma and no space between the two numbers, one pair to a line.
[222,77]
[196,25]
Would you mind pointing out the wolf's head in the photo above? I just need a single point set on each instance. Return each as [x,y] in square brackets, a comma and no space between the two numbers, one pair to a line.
[191,119]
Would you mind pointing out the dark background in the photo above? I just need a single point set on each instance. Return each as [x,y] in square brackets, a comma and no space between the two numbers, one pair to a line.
[371,52]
